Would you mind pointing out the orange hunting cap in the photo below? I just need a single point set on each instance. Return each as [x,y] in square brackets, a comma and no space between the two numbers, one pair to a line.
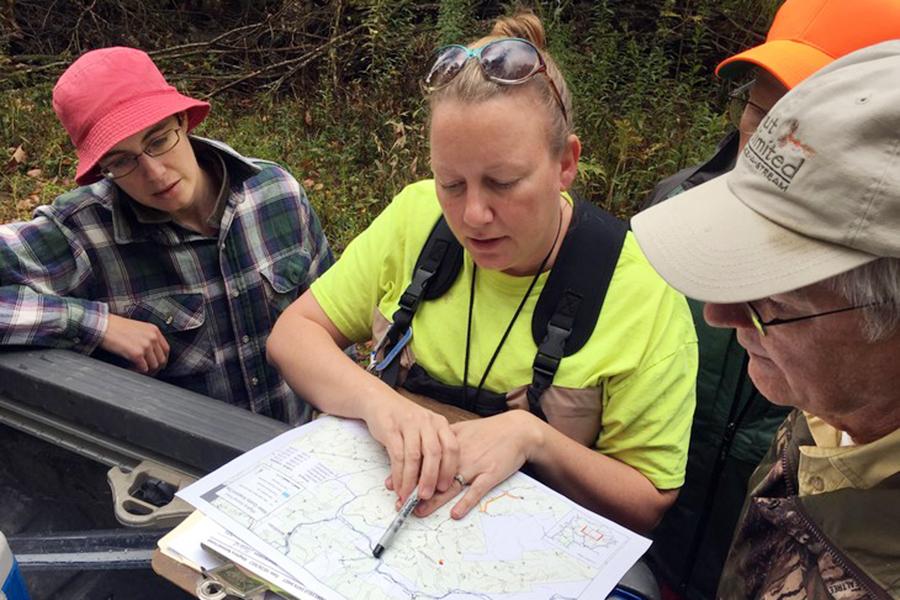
[806,35]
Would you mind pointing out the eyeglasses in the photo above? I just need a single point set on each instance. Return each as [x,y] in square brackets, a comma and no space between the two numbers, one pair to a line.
[761,325]
[510,61]
[738,102]
[124,164]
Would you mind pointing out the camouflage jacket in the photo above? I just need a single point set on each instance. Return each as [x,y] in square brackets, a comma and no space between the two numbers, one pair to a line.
[843,544]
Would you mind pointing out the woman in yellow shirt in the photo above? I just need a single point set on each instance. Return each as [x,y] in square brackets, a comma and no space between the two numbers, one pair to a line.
[503,154]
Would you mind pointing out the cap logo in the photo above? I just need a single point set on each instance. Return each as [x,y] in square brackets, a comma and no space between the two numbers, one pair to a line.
[790,138]
[778,159]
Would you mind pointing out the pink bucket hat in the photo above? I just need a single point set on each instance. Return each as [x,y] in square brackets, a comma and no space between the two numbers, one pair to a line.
[109,94]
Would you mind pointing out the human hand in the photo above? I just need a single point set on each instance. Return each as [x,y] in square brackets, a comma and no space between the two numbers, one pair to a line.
[140,343]
[422,448]
[492,449]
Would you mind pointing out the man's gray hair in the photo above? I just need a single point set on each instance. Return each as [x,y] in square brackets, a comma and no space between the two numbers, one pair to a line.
[876,283]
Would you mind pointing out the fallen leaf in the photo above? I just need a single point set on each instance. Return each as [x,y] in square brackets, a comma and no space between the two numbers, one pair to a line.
[34,173]
[308,183]
[18,157]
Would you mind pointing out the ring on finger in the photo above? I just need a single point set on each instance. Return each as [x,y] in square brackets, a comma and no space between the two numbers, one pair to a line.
[458,478]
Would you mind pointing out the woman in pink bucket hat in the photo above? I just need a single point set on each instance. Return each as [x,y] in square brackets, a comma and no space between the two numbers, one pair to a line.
[175,255]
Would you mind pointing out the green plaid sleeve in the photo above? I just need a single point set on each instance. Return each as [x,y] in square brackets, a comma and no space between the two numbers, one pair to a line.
[42,270]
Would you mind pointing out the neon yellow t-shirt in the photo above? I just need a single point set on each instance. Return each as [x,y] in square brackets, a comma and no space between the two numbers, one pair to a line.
[642,354]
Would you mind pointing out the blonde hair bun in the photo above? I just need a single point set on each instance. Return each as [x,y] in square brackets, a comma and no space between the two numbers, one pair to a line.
[525,25]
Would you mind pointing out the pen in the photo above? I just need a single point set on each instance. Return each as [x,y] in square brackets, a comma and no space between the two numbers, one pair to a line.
[398,521]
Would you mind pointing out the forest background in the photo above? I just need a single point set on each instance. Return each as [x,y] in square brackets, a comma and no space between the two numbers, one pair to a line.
[331,89]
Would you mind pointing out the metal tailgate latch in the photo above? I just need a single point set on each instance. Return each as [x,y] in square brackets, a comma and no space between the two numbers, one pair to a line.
[143,496]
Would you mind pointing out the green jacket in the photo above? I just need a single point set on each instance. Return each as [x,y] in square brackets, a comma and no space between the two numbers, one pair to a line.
[733,426]
[840,544]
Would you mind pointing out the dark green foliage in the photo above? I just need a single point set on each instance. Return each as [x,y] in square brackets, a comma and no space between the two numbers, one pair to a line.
[454,21]
[331,88]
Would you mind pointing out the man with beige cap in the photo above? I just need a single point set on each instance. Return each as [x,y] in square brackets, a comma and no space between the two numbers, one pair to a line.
[798,249]
[734,423]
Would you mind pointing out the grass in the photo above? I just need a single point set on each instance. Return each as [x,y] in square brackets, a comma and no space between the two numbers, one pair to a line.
[352,160]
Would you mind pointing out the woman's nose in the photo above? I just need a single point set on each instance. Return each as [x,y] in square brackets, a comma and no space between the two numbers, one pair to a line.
[477,212]
[153,166]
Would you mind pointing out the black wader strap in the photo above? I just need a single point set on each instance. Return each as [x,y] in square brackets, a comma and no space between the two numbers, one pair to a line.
[435,271]
[567,311]
[487,403]
[551,351]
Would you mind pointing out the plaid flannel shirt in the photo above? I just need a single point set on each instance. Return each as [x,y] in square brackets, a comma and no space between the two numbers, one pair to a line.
[95,251]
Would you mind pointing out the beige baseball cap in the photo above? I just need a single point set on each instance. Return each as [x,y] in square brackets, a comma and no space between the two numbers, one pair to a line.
[815,192]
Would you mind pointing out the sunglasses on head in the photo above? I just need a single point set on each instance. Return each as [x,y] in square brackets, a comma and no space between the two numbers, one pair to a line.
[510,61]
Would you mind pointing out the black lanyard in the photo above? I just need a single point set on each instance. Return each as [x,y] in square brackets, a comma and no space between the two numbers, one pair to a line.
[511,322]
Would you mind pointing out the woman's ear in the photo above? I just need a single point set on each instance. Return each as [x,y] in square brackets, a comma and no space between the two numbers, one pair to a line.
[568,161]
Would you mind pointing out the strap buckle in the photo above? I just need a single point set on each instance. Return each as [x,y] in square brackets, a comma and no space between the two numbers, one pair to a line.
[551,350]
[546,363]
[411,296]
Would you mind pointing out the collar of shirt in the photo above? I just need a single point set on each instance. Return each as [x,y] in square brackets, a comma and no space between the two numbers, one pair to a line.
[828,466]
[130,218]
